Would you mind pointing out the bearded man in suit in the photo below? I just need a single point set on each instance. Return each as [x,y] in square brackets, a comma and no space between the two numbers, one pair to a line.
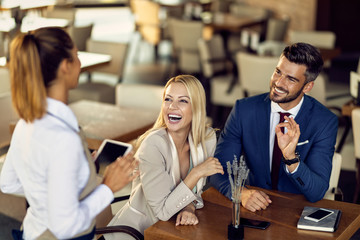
[306,162]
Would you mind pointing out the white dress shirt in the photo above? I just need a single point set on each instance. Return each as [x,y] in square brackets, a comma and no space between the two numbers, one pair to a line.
[46,162]
[274,120]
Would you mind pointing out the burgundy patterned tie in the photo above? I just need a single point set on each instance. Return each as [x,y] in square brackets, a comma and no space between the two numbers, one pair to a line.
[277,154]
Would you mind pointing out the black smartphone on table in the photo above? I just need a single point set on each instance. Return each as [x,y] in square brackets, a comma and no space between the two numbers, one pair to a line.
[254,223]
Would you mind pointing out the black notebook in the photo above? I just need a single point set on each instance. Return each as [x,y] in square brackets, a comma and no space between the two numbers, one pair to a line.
[328,224]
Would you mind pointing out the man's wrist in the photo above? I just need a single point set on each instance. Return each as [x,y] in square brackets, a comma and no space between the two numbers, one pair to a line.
[289,156]
[290,161]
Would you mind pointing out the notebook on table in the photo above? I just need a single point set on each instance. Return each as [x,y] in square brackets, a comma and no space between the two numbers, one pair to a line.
[327,224]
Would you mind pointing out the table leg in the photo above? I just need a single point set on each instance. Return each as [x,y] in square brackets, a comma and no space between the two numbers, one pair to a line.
[344,135]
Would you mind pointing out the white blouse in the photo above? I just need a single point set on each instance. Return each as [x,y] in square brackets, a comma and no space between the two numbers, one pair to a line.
[46,162]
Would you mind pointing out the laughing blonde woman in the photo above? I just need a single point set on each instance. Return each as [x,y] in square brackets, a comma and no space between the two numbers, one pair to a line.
[175,156]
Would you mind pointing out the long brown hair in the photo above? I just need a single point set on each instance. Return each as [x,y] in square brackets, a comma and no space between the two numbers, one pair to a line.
[34,61]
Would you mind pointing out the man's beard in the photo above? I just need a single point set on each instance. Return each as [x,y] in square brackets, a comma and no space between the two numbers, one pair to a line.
[287,98]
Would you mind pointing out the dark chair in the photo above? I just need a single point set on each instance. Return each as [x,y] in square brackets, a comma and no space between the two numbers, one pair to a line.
[120,228]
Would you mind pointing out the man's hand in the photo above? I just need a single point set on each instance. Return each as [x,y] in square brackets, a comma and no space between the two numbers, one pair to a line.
[187,216]
[287,141]
[254,200]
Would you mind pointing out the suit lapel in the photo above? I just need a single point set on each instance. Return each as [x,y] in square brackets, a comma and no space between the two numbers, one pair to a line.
[263,131]
[304,115]
[175,167]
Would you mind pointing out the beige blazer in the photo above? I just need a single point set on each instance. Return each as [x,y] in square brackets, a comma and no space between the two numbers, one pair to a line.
[157,194]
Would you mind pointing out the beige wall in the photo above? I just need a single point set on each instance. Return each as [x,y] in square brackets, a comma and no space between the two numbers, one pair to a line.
[302,13]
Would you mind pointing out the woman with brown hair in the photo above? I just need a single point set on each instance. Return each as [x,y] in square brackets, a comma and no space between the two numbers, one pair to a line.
[47,161]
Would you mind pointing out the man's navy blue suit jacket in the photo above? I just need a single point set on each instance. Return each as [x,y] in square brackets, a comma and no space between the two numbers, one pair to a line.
[247,132]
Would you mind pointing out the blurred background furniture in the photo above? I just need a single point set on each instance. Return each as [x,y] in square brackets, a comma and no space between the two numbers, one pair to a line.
[185,35]
[270,48]
[2,44]
[9,116]
[8,112]
[90,61]
[80,35]
[139,96]
[96,88]
[30,23]
[220,5]
[118,53]
[219,77]
[319,90]
[277,28]
[242,10]
[319,93]
[320,39]
[103,120]
[255,72]
[150,21]
[355,115]
[63,13]
[334,192]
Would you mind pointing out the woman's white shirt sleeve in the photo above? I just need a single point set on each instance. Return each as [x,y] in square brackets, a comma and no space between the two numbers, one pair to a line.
[68,215]
[46,161]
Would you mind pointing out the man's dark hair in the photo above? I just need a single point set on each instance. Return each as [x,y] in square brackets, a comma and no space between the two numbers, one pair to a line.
[305,54]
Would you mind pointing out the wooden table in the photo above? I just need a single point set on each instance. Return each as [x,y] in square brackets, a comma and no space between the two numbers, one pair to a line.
[103,120]
[230,23]
[226,24]
[329,54]
[283,213]
[90,60]
[30,23]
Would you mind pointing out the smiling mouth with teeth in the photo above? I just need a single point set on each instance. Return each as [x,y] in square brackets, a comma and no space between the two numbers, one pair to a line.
[278,90]
[174,118]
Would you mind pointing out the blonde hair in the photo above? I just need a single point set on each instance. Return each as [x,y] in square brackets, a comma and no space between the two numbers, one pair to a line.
[34,61]
[198,104]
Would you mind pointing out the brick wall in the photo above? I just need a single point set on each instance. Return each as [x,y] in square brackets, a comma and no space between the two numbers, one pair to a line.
[302,13]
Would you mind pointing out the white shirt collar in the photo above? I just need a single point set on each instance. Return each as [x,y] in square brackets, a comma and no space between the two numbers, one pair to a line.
[275,107]
[62,112]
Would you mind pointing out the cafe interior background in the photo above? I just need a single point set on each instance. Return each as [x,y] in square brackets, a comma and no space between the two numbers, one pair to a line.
[151,57]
